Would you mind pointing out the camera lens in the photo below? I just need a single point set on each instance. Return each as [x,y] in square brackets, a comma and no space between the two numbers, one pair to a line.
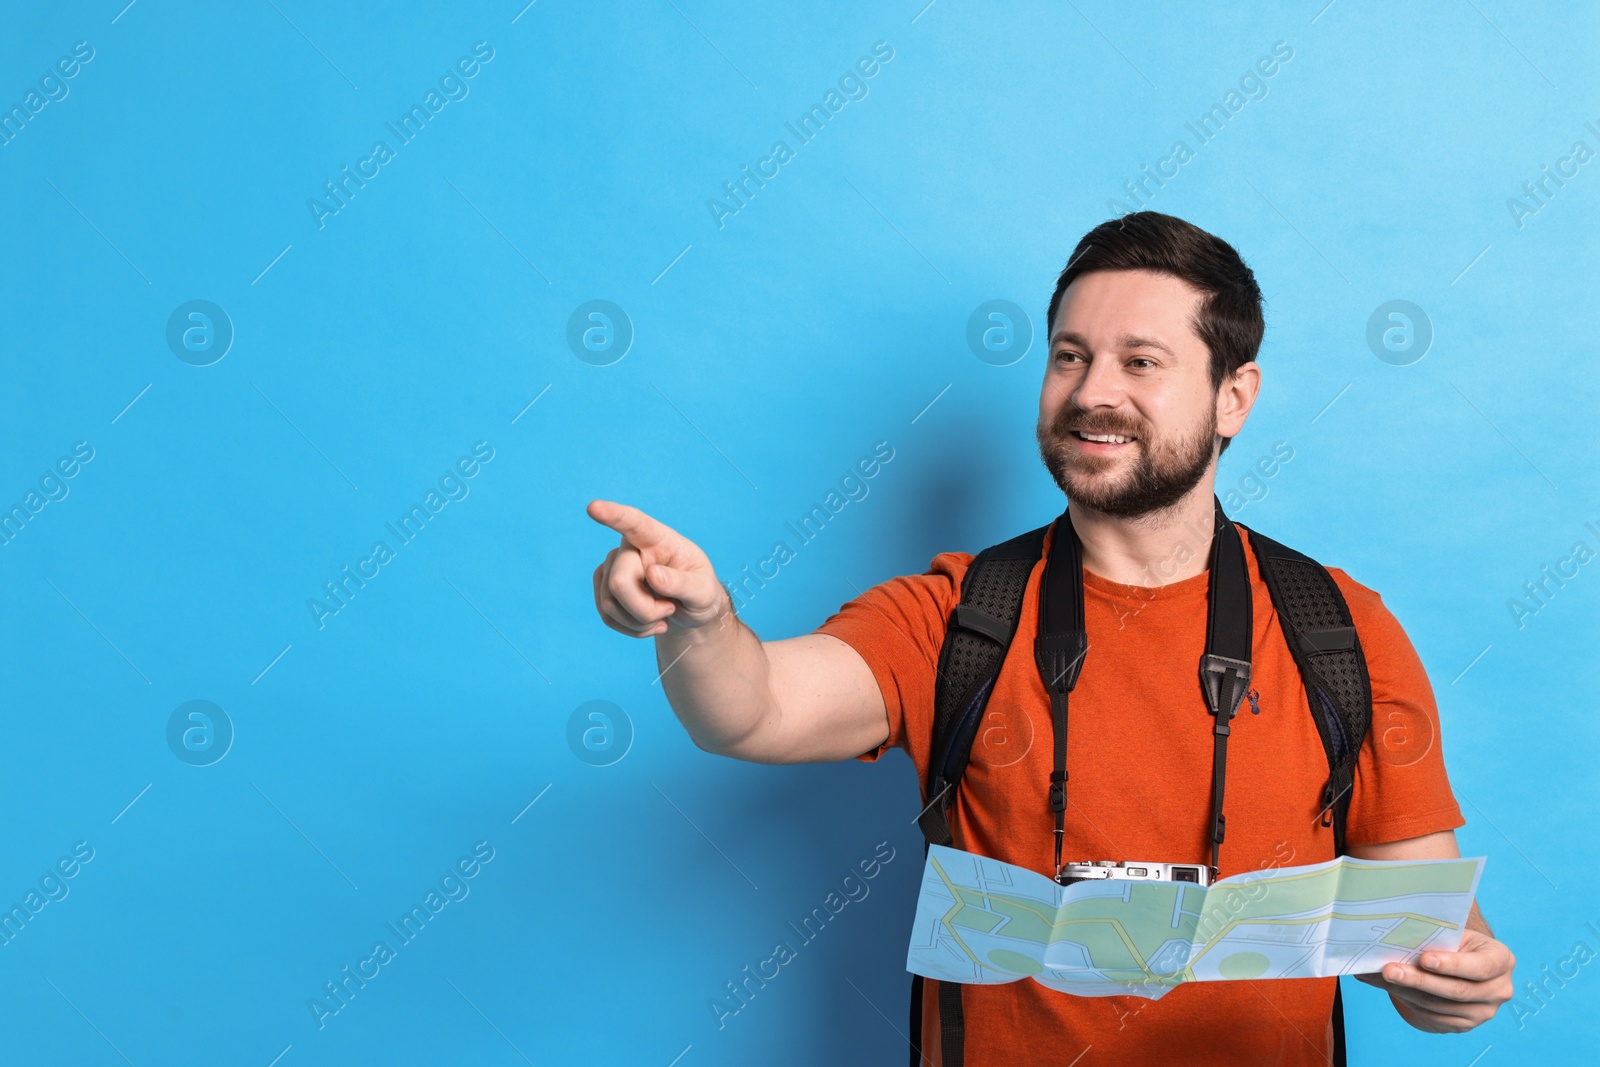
[1186,874]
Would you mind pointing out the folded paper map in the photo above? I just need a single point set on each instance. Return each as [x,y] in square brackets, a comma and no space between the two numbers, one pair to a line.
[984,922]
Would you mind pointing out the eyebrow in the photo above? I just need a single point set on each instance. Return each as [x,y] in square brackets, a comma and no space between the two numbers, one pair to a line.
[1126,340]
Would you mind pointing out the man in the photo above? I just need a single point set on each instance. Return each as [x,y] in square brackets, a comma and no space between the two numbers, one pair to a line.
[1154,328]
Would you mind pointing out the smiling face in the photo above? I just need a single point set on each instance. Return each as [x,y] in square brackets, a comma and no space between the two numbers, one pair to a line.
[1126,368]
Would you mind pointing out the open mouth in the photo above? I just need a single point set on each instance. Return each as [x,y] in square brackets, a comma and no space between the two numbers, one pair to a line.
[1103,440]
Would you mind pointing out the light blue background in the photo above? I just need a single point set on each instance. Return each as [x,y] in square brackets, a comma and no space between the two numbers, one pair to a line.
[769,355]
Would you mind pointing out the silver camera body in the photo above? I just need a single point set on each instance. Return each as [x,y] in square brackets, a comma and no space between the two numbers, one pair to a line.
[1088,871]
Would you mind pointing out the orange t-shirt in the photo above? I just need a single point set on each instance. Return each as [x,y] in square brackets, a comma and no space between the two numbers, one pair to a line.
[1139,751]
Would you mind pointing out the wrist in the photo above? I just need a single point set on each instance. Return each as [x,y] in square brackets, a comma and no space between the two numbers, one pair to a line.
[723,624]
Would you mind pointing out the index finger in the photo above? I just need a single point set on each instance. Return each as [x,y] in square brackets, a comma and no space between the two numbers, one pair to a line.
[637,528]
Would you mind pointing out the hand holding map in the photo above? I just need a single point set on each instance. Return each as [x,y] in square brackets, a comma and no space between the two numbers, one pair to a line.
[983,922]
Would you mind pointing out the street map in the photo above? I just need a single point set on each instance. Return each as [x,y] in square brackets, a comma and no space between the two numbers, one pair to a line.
[984,922]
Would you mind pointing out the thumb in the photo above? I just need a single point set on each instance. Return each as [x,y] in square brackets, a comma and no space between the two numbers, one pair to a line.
[696,592]
[663,580]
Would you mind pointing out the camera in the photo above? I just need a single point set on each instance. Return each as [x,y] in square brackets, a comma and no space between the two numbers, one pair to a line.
[1092,870]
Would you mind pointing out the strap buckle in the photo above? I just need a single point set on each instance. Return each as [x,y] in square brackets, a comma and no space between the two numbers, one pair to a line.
[1225,681]
[1325,816]
[1060,658]
[1058,792]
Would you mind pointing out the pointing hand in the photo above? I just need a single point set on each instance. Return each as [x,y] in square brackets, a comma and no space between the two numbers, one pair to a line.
[655,579]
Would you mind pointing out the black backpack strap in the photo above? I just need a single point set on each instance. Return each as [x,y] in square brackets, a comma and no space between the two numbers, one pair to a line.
[1339,1059]
[1322,638]
[979,631]
[916,1022]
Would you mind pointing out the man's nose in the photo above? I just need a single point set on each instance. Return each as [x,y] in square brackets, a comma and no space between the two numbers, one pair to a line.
[1100,386]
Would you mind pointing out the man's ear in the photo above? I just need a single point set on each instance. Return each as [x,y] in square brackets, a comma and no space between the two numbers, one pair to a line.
[1236,396]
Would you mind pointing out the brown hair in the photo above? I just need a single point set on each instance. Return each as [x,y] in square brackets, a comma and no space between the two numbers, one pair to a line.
[1229,318]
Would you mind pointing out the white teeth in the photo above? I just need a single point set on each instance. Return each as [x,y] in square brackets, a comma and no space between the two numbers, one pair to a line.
[1112,439]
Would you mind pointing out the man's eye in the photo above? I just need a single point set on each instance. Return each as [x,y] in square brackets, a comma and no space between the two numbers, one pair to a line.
[1067,355]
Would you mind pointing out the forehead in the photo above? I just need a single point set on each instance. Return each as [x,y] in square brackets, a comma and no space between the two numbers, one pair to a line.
[1105,306]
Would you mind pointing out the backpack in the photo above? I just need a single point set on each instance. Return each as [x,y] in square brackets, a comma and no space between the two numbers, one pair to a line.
[1316,626]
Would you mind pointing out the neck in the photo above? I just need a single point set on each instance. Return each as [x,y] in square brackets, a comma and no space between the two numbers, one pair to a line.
[1151,550]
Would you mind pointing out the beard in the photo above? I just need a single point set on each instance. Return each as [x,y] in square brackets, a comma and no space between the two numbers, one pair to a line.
[1157,477]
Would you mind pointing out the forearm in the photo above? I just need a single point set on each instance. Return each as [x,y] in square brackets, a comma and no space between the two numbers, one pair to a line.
[717,679]
[1475,920]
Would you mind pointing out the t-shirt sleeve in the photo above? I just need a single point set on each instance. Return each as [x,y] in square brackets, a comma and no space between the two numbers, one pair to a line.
[1401,788]
[898,627]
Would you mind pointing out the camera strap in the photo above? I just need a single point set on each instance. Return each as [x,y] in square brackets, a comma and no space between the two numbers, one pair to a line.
[1062,643]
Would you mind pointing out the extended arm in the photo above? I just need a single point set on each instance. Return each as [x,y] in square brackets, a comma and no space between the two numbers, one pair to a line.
[806,699]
